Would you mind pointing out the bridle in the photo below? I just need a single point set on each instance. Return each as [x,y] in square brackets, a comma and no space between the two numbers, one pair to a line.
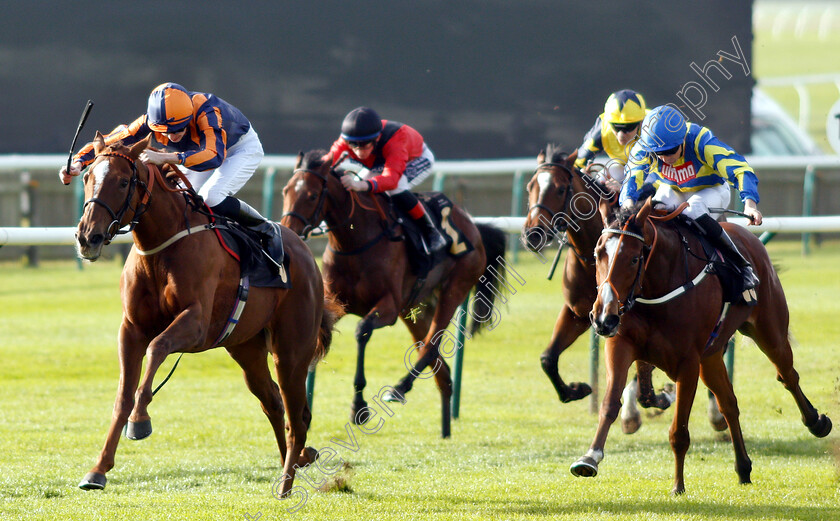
[114,228]
[630,300]
[308,225]
[544,167]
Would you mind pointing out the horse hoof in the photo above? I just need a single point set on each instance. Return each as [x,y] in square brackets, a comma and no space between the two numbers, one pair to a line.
[393,396]
[821,427]
[138,430]
[93,481]
[360,416]
[307,455]
[585,467]
[632,424]
[576,391]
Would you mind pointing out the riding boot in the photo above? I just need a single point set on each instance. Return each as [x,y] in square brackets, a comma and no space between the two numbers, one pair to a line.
[721,240]
[248,217]
[436,240]
[409,204]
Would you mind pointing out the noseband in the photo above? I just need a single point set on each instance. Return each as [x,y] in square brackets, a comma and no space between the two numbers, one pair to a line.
[114,228]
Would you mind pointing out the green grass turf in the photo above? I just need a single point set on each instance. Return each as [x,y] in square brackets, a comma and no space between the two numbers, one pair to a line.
[212,455]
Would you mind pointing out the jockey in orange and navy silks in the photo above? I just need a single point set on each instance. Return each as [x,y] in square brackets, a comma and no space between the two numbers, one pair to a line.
[213,126]
[687,163]
[614,133]
[395,159]
[211,138]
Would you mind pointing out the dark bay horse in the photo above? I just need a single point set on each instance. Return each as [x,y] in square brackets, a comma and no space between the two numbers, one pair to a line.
[562,199]
[683,333]
[371,277]
[180,287]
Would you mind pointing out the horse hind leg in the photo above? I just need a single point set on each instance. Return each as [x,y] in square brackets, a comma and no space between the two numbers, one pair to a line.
[771,336]
[251,357]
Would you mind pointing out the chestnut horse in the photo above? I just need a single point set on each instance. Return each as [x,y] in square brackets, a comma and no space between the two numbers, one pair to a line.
[563,200]
[654,262]
[371,277]
[179,287]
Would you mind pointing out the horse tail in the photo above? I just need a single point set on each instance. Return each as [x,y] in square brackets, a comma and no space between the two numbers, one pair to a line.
[495,245]
[333,311]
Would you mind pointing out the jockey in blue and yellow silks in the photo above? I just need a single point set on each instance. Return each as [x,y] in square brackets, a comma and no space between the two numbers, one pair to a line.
[689,164]
[614,133]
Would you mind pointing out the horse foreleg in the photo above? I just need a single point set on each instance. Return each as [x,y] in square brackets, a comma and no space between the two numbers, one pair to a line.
[567,329]
[291,375]
[620,354]
[383,314]
[678,434]
[186,331]
[715,376]
[131,347]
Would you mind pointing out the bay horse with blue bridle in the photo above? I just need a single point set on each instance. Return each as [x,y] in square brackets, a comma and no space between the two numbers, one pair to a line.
[564,202]
[656,303]
[181,290]
[368,270]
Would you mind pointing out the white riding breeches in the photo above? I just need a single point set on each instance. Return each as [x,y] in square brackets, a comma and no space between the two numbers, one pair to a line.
[699,202]
[240,163]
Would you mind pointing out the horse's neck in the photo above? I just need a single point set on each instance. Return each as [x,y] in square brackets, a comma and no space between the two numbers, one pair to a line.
[348,231]
[585,236]
[166,214]
[669,263]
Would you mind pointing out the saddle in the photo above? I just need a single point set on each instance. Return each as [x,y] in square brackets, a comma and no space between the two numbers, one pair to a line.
[728,273]
[439,207]
[245,246]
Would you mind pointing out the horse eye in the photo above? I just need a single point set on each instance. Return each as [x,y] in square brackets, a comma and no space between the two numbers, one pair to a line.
[123,183]
[634,261]
[561,189]
[311,197]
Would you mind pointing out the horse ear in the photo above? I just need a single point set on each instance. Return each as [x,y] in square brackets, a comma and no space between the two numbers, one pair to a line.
[571,158]
[644,212]
[140,146]
[299,160]
[605,208]
[541,157]
[98,142]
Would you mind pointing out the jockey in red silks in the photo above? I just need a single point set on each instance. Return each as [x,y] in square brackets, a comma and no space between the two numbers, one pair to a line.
[395,159]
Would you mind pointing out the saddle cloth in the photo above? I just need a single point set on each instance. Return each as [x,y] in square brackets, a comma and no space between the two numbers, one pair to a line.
[439,207]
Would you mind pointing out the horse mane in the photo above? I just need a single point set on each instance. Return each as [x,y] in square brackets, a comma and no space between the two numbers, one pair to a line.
[553,154]
[313,160]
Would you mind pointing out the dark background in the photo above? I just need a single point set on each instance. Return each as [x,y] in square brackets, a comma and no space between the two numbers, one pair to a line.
[479,79]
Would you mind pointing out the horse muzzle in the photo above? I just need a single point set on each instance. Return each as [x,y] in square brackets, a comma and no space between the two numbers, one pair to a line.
[89,246]
[606,324]
[536,238]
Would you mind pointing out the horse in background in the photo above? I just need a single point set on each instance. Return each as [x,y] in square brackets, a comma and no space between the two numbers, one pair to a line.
[562,200]
[645,259]
[181,290]
[368,270]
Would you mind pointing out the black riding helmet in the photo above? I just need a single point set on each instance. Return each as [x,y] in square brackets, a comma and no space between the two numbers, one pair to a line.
[361,124]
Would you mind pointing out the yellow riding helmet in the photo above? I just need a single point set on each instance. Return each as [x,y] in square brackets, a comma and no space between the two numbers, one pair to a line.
[170,108]
[625,106]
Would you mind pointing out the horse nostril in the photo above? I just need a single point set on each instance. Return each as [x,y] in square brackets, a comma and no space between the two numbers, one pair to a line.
[611,322]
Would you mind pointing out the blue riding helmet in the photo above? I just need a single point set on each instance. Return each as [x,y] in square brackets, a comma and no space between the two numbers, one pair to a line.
[664,128]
